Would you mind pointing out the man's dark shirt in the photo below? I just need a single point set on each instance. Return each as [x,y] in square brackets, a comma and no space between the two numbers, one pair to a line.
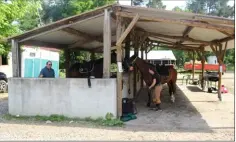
[47,73]
[157,77]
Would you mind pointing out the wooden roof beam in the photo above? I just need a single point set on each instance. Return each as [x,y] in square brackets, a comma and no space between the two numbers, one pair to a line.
[219,20]
[178,38]
[178,21]
[81,34]
[82,49]
[127,30]
[216,42]
[43,44]
[185,34]
[225,33]
[176,46]
[179,48]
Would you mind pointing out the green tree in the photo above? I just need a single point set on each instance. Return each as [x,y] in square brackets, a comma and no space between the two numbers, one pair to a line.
[156,4]
[211,7]
[10,15]
[54,10]
[177,9]
[32,17]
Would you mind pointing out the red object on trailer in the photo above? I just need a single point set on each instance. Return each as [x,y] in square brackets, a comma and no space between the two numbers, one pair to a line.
[208,67]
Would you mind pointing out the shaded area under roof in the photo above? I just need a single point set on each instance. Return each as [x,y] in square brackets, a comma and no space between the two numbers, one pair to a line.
[175,29]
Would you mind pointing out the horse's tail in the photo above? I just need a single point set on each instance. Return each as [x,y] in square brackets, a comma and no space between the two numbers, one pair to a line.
[174,75]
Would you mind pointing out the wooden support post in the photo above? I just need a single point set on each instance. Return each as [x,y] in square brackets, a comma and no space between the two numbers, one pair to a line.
[119,72]
[203,68]
[67,61]
[202,57]
[141,82]
[106,44]
[135,72]
[193,67]
[20,60]
[219,82]
[15,58]
[146,53]
[220,57]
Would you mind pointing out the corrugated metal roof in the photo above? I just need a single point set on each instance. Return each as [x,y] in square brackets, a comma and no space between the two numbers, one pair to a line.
[91,23]
[157,55]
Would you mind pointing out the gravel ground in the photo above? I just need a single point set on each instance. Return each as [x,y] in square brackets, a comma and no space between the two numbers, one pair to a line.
[195,115]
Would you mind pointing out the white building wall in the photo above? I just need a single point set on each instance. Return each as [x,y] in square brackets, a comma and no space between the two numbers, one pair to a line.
[39,53]
[212,60]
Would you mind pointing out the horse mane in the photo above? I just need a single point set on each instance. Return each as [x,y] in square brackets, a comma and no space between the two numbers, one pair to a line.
[144,67]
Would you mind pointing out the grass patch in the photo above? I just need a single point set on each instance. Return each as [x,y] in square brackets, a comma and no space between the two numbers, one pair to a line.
[108,121]
[62,74]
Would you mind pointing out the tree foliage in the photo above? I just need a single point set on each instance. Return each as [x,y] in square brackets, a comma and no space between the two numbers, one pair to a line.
[156,4]
[54,10]
[211,7]
[10,15]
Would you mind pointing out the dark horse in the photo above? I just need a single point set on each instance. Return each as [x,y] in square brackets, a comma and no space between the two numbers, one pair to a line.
[168,74]
[91,68]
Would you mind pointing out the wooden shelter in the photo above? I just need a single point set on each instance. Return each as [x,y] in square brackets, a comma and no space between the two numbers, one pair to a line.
[121,27]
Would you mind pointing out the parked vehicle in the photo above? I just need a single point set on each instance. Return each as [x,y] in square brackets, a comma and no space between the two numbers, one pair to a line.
[3,83]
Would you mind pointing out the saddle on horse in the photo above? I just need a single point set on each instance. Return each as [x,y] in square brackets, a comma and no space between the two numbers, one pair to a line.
[163,70]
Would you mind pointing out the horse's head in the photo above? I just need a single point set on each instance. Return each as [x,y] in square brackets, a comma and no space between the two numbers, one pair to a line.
[129,63]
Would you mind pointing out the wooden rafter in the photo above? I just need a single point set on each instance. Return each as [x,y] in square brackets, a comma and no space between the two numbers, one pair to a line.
[164,39]
[83,49]
[182,22]
[43,44]
[218,20]
[185,34]
[81,34]
[224,51]
[176,46]
[225,33]
[129,28]
[178,38]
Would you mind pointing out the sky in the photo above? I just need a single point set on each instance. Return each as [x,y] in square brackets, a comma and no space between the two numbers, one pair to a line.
[170,4]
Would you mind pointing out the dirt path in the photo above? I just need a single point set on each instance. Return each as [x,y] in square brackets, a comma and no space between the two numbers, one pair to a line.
[195,116]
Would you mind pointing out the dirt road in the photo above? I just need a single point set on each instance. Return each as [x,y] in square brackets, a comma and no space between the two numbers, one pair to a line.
[195,116]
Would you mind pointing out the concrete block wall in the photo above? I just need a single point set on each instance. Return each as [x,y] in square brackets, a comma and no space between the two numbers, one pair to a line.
[69,97]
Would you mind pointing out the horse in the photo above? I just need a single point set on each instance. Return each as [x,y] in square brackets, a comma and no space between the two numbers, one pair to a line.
[144,67]
[86,69]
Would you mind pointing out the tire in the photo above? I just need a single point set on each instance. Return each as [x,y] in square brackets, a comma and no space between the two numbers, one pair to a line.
[3,86]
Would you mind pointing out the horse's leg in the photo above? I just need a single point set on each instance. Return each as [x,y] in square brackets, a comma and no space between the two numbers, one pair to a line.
[170,87]
[174,79]
[173,84]
[149,98]
[172,97]
[158,97]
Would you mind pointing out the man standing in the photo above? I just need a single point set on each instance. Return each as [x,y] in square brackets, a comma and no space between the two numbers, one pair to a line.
[156,86]
[47,71]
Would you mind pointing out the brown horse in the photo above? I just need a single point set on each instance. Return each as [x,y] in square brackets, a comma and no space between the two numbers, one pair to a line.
[143,67]
[91,68]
